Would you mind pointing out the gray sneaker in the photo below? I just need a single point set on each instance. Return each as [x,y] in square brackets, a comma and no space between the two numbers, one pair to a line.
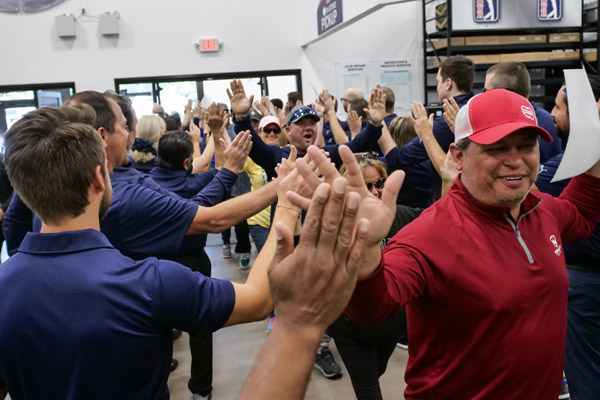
[325,363]
[226,251]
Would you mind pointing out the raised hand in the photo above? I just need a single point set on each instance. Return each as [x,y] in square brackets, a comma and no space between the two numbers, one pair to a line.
[354,122]
[423,125]
[451,109]
[215,117]
[195,133]
[318,277]
[380,212]
[376,110]
[326,101]
[240,103]
[237,153]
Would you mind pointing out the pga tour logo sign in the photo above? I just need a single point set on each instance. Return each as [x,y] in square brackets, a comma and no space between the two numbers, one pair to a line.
[549,10]
[329,15]
[486,10]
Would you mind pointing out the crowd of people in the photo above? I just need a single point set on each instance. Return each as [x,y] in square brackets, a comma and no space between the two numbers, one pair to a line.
[444,236]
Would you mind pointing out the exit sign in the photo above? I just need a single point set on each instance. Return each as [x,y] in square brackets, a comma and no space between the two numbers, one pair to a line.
[209,45]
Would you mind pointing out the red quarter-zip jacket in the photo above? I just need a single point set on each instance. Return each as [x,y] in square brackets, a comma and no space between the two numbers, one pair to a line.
[486,295]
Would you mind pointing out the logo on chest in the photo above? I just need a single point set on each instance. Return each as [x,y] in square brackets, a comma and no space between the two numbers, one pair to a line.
[558,247]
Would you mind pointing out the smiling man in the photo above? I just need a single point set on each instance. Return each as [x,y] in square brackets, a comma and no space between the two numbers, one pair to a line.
[482,271]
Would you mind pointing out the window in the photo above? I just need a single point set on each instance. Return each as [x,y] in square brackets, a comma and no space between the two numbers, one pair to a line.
[15,101]
[173,93]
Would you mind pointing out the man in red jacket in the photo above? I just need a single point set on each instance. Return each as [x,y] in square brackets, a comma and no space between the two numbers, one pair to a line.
[482,271]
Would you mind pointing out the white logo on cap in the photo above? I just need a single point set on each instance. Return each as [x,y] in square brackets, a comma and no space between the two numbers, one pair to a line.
[528,112]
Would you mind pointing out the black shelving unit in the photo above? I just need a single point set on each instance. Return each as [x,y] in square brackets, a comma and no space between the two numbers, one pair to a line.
[593,65]
[551,70]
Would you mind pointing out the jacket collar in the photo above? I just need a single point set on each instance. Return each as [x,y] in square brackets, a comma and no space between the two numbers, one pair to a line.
[63,242]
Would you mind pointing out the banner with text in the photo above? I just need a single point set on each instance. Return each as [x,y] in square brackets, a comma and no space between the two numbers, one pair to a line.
[329,15]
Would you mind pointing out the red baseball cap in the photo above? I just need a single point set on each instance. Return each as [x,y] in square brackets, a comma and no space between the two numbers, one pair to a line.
[491,116]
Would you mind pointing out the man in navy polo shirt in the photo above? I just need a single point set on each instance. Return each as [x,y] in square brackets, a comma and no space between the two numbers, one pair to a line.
[143,221]
[78,320]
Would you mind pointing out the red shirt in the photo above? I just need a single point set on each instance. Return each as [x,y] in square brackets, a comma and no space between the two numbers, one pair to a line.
[486,296]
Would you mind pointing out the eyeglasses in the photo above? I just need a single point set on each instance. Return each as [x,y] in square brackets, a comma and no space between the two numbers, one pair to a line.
[343,99]
[363,157]
[269,130]
[378,184]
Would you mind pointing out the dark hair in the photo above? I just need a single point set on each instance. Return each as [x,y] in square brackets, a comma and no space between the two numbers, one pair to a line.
[174,147]
[463,143]
[124,103]
[51,157]
[358,106]
[172,124]
[402,131]
[105,117]
[294,97]
[461,70]
[511,75]
[277,103]
[390,99]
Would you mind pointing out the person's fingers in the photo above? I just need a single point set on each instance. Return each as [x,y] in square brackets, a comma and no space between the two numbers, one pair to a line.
[323,163]
[229,94]
[346,231]
[392,187]
[312,223]
[307,173]
[223,144]
[293,154]
[358,247]
[251,99]
[333,213]
[285,244]
[297,200]
[353,171]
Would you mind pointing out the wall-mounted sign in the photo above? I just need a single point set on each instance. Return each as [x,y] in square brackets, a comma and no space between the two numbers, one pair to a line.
[208,45]
[485,11]
[329,15]
[549,10]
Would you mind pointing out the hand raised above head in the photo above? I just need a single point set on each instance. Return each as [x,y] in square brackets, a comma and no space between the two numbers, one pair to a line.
[376,110]
[380,212]
[451,109]
[423,125]
[214,117]
[237,153]
[240,103]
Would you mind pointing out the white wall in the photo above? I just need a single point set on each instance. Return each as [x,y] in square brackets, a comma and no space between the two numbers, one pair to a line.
[392,32]
[157,39]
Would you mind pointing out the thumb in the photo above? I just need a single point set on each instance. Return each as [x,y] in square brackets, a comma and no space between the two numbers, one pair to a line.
[223,144]
[284,246]
[293,154]
[251,99]
[392,187]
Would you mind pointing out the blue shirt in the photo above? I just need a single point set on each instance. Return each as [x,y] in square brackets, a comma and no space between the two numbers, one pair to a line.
[415,152]
[145,167]
[545,120]
[78,320]
[585,252]
[180,182]
[416,189]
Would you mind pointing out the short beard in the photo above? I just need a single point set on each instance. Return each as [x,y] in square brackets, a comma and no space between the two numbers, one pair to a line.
[106,199]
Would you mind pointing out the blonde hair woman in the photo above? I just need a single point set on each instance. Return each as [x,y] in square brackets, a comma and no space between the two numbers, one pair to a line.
[143,152]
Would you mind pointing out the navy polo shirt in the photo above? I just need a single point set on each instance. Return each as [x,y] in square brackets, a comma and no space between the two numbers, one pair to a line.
[180,182]
[415,152]
[78,320]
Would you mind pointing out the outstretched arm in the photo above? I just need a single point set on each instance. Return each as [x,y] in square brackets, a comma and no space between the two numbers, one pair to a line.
[310,286]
